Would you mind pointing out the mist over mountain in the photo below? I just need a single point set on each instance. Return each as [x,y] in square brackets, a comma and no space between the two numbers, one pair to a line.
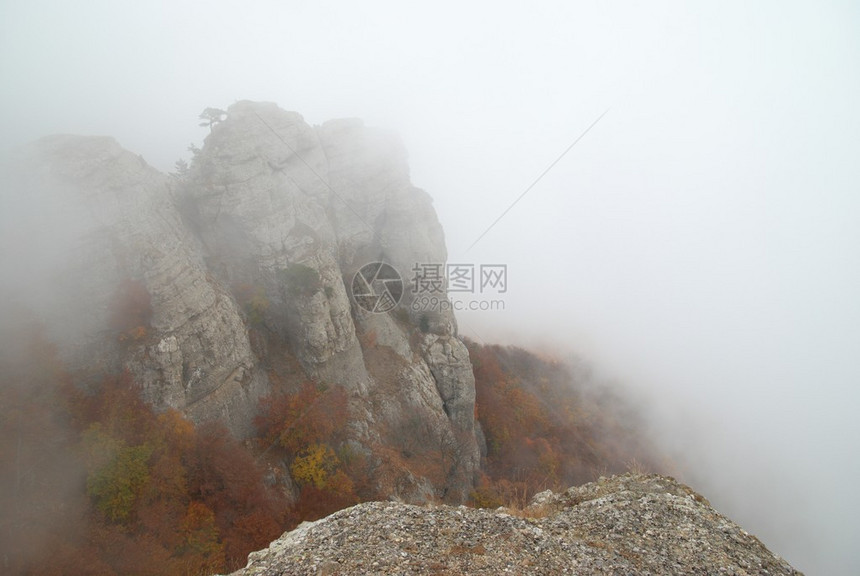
[283,291]
[698,247]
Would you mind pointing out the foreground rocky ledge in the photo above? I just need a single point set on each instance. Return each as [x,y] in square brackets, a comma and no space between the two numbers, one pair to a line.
[631,524]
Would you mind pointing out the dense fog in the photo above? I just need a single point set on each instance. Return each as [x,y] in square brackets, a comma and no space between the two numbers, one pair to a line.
[699,244]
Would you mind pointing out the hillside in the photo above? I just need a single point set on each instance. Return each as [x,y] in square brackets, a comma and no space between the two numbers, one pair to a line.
[547,424]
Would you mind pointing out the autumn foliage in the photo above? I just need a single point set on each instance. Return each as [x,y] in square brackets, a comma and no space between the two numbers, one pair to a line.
[100,484]
[308,429]
[295,421]
[95,482]
[545,427]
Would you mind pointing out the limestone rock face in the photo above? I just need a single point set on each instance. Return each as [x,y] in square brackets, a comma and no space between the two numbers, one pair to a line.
[260,200]
[105,216]
[382,217]
[275,198]
[627,524]
[272,205]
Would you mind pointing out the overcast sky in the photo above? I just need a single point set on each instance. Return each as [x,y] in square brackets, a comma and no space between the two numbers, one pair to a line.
[701,243]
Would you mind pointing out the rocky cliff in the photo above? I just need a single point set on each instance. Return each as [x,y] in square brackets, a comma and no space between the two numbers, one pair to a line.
[272,207]
[629,524]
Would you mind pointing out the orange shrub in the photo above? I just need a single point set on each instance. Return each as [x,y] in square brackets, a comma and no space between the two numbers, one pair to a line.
[310,416]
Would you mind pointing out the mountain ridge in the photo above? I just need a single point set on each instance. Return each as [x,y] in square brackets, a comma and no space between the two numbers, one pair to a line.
[631,524]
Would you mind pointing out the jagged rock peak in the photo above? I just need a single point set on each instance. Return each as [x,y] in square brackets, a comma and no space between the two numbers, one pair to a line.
[631,524]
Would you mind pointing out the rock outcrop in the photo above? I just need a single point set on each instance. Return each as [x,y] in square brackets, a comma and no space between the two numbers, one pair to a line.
[103,216]
[629,524]
[270,205]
